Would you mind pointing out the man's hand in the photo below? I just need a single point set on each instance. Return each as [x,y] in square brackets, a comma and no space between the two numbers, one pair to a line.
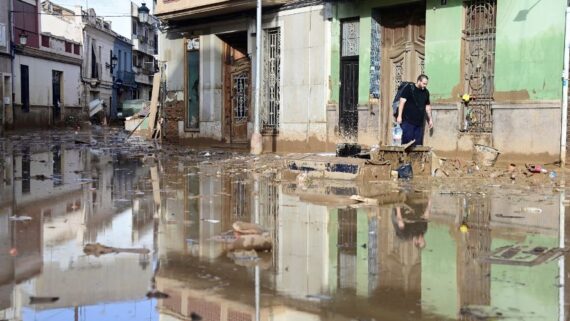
[430,123]
[399,120]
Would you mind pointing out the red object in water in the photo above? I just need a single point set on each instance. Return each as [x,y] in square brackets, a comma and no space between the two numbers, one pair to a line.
[536,169]
[13,251]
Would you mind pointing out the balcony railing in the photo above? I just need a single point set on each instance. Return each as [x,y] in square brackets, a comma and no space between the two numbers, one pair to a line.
[126,77]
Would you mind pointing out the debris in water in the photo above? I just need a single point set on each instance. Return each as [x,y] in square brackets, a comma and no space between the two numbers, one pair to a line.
[365,200]
[21,218]
[319,297]
[195,317]
[155,294]
[248,228]
[211,221]
[508,216]
[43,300]
[97,249]
[533,210]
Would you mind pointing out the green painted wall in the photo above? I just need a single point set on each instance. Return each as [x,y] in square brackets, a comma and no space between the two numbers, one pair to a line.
[345,10]
[444,27]
[530,46]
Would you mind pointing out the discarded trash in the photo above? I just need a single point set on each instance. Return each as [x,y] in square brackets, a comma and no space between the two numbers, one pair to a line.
[22,218]
[348,150]
[97,249]
[43,300]
[523,255]
[365,200]
[319,297]
[463,228]
[245,242]
[508,216]
[536,169]
[155,294]
[240,255]
[485,155]
[248,228]
[533,210]
[211,221]
[553,175]
[405,171]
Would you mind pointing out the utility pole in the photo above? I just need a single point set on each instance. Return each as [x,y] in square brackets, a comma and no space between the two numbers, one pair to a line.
[256,139]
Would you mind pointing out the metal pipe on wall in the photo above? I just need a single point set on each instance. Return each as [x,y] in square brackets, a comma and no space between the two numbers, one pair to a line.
[256,139]
[564,129]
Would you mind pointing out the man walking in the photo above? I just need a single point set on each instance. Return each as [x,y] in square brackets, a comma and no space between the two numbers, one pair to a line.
[414,106]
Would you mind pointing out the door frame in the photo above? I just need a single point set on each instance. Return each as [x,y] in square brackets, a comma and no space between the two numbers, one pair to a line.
[240,66]
[341,110]
[410,53]
[189,47]
[57,110]
[353,58]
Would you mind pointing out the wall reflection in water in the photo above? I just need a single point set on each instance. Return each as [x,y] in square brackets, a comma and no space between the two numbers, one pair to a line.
[336,262]
[407,258]
[73,196]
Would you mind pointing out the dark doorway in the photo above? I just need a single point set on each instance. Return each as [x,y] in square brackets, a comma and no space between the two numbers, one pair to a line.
[348,113]
[237,89]
[349,98]
[56,96]
[25,87]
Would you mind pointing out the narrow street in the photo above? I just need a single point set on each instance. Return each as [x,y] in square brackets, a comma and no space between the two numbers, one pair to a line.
[427,249]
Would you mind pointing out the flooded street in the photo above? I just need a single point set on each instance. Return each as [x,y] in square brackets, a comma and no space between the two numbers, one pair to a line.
[427,249]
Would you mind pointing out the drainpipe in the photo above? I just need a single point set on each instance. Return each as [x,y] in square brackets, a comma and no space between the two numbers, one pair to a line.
[256,139]
[564,131]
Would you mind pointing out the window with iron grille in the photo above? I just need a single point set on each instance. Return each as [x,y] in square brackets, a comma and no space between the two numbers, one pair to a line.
[479,46]
[272,77]
[240,97]
[350,38]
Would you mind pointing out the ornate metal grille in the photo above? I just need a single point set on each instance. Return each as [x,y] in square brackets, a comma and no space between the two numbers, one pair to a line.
[375,56]
[241,83]
[398,73]
[479,33]
[350,38]
[272,78]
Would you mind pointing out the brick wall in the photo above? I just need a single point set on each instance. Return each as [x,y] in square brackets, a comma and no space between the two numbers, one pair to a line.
[173,113]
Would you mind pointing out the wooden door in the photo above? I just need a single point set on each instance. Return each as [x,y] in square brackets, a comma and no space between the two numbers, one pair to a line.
[237,93]
[240,79]
[349,98]
[403,43]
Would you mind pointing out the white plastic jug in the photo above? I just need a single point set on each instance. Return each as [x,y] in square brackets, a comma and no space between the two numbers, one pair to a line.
[397,135]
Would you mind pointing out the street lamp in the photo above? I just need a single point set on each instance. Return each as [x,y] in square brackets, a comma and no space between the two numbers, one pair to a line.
[23,38]
[113,64]
[143,13]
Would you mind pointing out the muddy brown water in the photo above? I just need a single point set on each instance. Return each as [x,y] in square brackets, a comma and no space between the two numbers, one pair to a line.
[434,249]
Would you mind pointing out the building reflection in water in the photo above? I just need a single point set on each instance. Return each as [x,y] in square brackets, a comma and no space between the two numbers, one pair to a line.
[353,261]
[74,196]
[406,257]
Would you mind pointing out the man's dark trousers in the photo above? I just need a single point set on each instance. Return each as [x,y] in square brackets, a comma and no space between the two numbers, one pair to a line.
[411,132]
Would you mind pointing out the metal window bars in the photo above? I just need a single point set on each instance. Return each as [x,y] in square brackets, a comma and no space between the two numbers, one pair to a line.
[272,76]
[479,40]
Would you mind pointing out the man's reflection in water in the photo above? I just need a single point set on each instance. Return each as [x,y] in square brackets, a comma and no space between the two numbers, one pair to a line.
[410,219]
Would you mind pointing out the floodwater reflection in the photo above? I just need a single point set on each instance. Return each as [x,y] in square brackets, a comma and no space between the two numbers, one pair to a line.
[423,254]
